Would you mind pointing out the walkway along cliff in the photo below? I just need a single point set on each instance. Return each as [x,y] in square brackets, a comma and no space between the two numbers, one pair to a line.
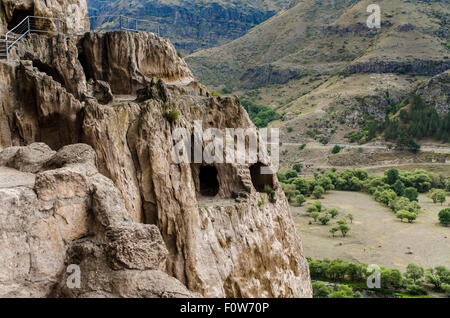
[86,178]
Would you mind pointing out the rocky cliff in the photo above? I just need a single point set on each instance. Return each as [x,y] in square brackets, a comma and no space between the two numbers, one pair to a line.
[73,12]
[87,178]
[191,24]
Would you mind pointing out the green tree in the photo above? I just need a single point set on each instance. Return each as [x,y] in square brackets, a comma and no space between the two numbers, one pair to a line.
[333,212]
[441,197]
[344,291]
[336,149]
[300,199]
[392,176]
[344,228]
[297,167]
[324,219]
[318,205]
[350,217]
[301,185]
[311,209]
[320,290]
[403,214]
[334,230]
[411,193]
[414,272]
[444,216]
[290,174]
[318,192]
[315,216]
[399,187]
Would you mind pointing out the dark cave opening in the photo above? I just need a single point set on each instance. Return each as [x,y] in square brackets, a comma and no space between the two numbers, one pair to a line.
[50,71]
[209,185]
[84,64]
[259,180]
[19,16]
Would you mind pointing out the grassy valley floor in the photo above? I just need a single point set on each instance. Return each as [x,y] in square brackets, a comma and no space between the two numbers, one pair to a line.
[376,236]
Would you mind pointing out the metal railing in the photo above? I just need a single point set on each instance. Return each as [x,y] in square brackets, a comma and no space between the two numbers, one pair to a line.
[105,23]
[108,23]
[32,24]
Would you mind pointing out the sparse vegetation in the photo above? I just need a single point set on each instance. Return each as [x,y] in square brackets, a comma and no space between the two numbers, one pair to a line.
[415,280]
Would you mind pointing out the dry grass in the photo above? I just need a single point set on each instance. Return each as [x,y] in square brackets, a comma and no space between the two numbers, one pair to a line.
[376,237]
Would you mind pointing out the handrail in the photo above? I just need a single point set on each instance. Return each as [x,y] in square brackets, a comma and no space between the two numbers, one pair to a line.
[124,24]
[33,24]
[28,25]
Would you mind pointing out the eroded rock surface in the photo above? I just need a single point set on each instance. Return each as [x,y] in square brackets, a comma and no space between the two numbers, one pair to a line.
[73,12]
[105,193]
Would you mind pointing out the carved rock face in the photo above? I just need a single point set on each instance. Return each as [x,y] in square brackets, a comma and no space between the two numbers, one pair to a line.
[117,205]
[73,12]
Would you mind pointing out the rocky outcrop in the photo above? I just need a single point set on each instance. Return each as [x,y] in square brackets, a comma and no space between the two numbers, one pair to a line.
[127,61]
[121,209]
[416,67]
[191,25]
[436,92]
[73,12]
[69,207]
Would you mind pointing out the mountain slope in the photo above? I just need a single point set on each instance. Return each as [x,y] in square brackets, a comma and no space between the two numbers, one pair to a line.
[323,66]
[194,24]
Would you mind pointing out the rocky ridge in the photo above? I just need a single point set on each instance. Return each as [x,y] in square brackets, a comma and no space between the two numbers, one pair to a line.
[87,179]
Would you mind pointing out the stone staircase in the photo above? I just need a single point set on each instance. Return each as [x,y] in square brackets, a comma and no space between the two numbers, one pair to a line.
[11,39]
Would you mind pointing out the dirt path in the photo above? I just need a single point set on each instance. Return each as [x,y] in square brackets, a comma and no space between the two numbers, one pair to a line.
[377,237]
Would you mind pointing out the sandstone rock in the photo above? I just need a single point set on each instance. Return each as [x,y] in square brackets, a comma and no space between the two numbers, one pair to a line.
[26,159]
[100,281]
[101,91]
[73,12]
[127,61]
[88,203]
[136,247]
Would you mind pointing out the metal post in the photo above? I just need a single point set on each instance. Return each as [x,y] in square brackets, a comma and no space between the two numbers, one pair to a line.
[28,19]
[7,46]
[120,22]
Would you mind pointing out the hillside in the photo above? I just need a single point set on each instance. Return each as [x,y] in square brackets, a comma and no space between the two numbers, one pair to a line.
[320,64]
[195,24]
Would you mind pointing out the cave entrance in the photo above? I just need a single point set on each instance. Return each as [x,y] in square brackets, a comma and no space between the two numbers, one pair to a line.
[50,71]
[209,185]
[18,16]
[259,180]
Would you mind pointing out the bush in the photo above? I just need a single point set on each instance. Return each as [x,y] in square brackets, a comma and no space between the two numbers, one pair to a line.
[410,216]
[318,205]
[446,289]
[344,228]
[311,209]
[271,192]
[320,290]
[315,216]
[333,212]
[444,216]
[416,289]
[297,167]
[345,291]
[324,219]
[300,199]
[170,113]
[290,174]
[318,192]
[336,149]
[411,193]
